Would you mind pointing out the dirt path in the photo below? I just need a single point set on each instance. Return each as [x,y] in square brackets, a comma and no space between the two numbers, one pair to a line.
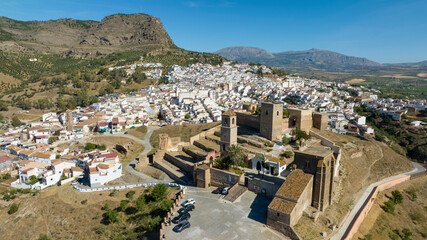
[373,163]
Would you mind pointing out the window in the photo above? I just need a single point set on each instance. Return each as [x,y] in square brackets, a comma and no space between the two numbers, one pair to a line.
[266,112]
[223,147]
[278,214]
[226,121]
[277,113]
[232,120]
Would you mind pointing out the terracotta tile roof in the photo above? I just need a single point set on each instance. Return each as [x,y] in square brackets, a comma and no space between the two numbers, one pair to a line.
[282,205]
[229,112]
[294,185]
[4,158]
[40,155]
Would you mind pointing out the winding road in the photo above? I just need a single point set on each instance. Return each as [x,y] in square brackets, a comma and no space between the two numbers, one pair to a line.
[147,148]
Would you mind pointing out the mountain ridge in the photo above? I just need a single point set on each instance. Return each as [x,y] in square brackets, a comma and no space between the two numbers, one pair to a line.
[117,32]
[312,59]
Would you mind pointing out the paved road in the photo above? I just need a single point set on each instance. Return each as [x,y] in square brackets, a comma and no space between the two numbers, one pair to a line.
[147,148]
[215,218]
[339,235]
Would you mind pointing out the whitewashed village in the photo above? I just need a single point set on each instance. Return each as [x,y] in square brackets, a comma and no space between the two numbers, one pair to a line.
[196,94]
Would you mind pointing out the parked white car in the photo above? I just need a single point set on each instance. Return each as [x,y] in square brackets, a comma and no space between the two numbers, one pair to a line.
[225,190]
[188,201]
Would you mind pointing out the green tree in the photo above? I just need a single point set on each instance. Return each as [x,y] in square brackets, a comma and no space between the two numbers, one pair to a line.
[159,192]
[187,116]
[138,76]
[237,156]
[140,203]
[53,139]
[300,134]
[33,180]
[166,205]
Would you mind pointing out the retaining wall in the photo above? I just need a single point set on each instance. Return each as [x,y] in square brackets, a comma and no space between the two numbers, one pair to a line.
[221,178]
[367,205]
[124,186]
[203,134]
[181,164]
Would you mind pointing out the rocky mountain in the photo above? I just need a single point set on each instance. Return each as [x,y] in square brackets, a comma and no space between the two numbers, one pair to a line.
[244,54]
[422,63]
[313,59]
[119,32]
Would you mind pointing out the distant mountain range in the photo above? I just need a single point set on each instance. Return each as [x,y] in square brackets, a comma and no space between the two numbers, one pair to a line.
[310,60]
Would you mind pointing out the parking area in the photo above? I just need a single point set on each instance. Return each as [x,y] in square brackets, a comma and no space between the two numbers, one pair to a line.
[215,218]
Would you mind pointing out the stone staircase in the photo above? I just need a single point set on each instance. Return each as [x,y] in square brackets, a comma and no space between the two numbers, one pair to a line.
[235,192]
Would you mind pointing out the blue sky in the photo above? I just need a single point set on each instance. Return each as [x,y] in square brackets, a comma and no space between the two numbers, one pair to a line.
[382,30]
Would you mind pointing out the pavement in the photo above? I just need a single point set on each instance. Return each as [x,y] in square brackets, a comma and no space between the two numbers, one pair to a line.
[215,218]
[147,148]
[339,235]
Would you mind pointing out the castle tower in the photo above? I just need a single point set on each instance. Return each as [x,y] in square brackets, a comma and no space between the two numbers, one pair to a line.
[271,120]
[228,131]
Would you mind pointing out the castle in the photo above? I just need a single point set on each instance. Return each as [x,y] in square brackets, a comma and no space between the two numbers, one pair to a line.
[306,181]
[311,183]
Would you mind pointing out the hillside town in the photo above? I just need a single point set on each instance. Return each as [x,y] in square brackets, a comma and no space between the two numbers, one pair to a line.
[279,119]
[200,93]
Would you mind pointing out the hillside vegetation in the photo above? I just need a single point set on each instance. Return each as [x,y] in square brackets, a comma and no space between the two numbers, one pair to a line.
[64,213]
[73,57]
[399,135]
[410,214]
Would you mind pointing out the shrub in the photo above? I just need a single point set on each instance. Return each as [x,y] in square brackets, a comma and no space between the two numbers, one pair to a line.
[412,194]
[113,193]
[287,154]
[33,180]
[123,205]
[84,201]
[100,229]
[389,206]
[397,197]
[286,140]
[406,234]
[130,194]
[44,237]
[13,209]
[112,215]
[416,216]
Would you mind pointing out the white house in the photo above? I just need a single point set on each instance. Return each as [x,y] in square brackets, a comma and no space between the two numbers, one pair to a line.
[104,173]
[277,166]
